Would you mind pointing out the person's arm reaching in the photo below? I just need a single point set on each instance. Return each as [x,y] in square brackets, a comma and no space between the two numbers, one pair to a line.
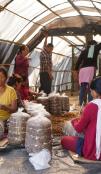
[46,36]
[81,124]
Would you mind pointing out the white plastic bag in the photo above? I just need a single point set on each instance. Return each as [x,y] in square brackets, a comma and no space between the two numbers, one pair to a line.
[1,129]
[41,159]
[69,130]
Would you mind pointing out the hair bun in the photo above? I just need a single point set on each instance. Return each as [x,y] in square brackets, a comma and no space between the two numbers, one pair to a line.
[96,85]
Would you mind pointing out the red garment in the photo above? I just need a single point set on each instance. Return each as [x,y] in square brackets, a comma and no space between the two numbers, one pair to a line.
[21,65]
[69,143]
[24,92]
[86,124]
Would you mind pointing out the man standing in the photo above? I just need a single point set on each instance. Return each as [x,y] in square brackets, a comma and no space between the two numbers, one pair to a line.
[22,63]
[46,67]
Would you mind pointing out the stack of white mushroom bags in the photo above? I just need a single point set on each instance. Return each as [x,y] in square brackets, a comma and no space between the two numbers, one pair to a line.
[38,134]
[17,128]
[38,130]
[55,106]
[35,108]
[44,101]
[65,102]
[1,129]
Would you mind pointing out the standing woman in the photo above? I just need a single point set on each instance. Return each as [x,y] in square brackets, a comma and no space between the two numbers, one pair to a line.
[8,97]
[86,65]
[22,63]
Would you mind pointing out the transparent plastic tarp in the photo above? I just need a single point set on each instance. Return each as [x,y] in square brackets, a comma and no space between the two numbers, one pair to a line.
[21,34]
[90,13]
[98,5]
[28,9]
[51,3]
[4,2]
[40,13]
[83,3]
[21,20]
[10,25]
[31,35]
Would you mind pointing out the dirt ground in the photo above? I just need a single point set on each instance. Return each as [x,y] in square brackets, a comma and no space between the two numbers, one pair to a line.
[16,161]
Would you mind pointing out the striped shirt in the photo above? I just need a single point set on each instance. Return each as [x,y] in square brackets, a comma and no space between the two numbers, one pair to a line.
[45,61]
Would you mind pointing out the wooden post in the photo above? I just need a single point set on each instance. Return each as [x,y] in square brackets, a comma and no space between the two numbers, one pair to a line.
[72,67]
[89,37]
[99,65]
[52,39]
